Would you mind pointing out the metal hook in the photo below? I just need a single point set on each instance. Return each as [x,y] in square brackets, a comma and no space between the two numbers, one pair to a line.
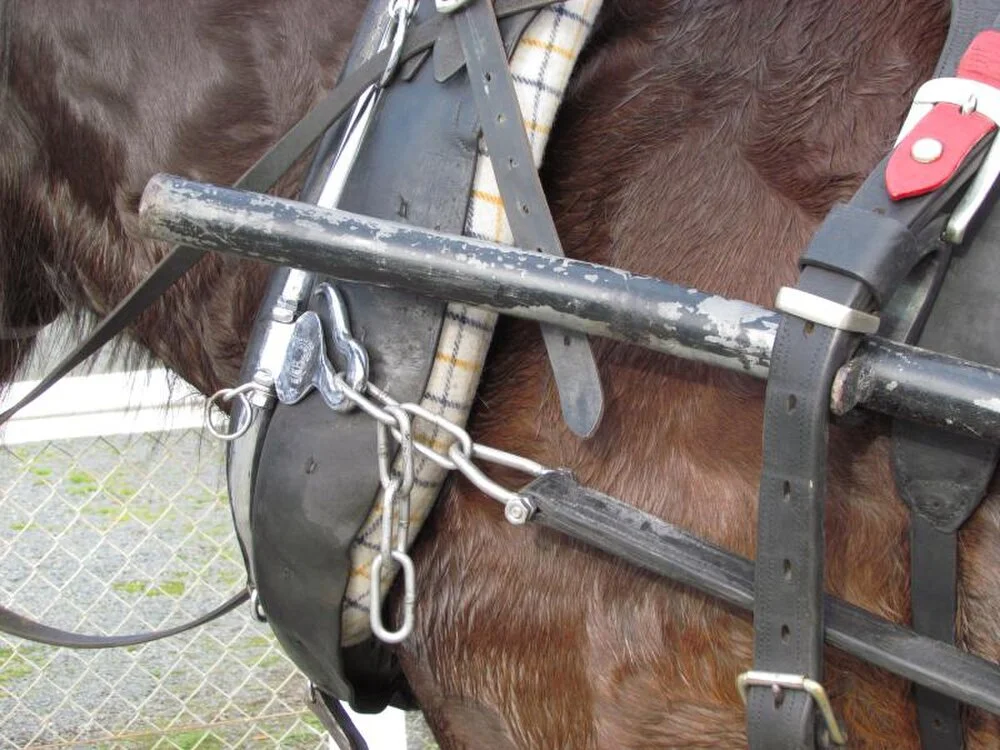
[306,365]
[400,11]
[353,354]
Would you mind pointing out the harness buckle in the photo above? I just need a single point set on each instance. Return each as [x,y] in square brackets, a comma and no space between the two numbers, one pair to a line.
[778,682]
[970,96]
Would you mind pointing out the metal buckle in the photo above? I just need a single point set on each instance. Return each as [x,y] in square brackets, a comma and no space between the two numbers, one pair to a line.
[778,681]
[971,96]
[825,312]
[256,608]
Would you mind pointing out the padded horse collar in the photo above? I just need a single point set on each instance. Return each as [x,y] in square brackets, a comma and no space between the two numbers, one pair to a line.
[858,258]
[315,475]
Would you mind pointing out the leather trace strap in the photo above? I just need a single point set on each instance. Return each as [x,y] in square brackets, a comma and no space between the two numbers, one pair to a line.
[788,612]
[644,540]
[527,211]
[20,626]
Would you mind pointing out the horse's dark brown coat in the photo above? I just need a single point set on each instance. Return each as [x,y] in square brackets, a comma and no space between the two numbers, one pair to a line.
[701,141]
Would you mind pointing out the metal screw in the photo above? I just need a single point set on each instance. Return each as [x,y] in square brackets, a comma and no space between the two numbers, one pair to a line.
[263,395]
[927,150]
[518,511]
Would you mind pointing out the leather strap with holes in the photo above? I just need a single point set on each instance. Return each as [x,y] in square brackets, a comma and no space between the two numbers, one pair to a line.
[788,613]
[527,211]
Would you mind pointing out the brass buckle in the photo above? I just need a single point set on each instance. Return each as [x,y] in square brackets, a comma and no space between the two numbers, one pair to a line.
[778,681]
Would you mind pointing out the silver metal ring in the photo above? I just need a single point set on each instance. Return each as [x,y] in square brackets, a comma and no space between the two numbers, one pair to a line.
[256,608]
[246,415]
[409,599]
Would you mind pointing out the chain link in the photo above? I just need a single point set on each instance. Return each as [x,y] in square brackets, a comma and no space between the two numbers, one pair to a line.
[394,419]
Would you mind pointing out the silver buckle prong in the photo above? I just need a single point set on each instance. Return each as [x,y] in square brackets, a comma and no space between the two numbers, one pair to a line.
[778,681]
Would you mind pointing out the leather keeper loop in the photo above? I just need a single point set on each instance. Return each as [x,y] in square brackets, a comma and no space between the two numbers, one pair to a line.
[874,249]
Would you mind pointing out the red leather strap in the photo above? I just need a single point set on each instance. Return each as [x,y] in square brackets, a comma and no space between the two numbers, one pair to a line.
[905,175]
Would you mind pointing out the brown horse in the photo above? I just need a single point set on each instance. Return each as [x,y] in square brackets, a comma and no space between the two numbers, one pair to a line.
[701,141]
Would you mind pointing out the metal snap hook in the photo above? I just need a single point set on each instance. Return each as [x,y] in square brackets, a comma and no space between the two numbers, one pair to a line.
[334,315]
[400,11]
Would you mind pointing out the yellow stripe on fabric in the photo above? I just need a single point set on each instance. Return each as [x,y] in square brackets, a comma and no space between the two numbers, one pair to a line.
[461,364]
[439,445]
[542,44]
[537,127]
[493,198]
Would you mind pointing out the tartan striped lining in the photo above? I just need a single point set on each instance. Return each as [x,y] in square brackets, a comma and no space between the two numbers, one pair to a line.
[541,67]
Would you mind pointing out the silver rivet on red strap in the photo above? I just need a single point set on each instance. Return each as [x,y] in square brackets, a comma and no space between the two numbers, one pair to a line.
[927,150]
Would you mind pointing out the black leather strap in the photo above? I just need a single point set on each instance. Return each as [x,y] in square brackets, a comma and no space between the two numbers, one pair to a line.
[648,542]
[788,614]
[20,626]
[933,602]
[573,365]
[844,238]
[943,478]
[335,720]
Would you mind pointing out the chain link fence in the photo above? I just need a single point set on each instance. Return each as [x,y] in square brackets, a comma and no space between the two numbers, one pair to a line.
[126,533]
[121,534]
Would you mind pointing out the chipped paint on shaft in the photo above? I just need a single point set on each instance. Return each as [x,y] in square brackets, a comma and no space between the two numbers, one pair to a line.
[892,378]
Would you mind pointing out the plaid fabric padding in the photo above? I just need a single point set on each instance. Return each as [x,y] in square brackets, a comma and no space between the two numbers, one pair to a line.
[541,67]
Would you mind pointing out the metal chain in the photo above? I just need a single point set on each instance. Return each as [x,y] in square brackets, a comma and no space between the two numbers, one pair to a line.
[394,418]
[462,454]
[394,486]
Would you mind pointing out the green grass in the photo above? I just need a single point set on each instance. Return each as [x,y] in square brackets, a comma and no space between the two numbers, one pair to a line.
[172,588]
[192,740]
[15,667]
[131,587]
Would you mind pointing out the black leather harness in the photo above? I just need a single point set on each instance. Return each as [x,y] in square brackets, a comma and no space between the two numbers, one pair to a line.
[300,529]
[861,254]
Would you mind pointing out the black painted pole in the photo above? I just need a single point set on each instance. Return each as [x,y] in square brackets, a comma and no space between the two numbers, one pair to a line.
[884,376]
